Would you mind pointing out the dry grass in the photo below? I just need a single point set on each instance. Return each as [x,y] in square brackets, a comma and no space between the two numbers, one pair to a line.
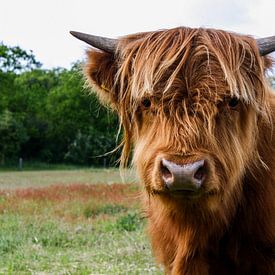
[26,179]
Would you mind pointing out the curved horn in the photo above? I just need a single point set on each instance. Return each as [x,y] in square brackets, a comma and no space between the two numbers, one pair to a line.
[266,45]
[105,44]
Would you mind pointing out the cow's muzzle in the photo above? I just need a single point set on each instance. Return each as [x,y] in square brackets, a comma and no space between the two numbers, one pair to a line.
[185,178]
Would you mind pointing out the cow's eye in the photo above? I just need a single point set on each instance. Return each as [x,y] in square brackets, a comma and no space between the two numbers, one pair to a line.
[233,102]
[146,103]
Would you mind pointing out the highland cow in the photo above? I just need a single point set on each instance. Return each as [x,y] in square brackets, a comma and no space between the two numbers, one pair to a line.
[197,110]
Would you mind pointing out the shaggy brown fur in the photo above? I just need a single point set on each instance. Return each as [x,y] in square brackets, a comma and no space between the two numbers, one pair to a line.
[172,90]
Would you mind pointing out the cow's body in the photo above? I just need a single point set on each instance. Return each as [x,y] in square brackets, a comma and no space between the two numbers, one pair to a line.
[191,241]
[196,106]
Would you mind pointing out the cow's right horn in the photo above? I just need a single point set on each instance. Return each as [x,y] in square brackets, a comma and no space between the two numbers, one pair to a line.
[102,43]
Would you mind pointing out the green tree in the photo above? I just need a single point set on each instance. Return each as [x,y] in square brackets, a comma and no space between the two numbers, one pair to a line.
[29,101]
[15,59]
[12,134]
[47,115]
[77,123]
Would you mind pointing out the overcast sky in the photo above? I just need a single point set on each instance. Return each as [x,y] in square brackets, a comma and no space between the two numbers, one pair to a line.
[43,26]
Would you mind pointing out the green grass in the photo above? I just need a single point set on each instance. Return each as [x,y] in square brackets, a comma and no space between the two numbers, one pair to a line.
[71,227]
[23,179]
[56,247]
[35,165]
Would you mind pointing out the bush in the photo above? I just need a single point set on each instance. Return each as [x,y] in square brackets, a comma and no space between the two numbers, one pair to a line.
[129,222]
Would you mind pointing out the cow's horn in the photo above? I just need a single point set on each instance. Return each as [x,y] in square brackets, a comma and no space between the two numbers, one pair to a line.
[266,45]
[105,44]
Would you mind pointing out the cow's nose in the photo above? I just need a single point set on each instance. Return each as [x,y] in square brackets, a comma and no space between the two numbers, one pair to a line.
[183,177]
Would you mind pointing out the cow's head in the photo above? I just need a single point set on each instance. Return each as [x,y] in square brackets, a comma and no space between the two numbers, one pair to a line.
[189,101]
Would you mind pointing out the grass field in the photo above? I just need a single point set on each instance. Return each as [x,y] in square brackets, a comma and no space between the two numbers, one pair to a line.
[84,221]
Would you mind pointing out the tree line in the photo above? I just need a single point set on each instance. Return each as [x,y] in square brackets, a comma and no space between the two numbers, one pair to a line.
[47,115]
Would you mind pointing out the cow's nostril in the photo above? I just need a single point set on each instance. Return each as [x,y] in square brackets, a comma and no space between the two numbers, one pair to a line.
[200,173]
[166,174]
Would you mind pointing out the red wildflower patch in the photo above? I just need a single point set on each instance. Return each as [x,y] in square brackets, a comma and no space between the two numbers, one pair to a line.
[100,192]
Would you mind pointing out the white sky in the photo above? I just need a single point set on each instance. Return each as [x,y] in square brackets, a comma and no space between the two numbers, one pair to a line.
[43,26]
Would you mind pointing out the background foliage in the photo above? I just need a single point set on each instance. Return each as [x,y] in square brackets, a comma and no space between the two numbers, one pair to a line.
[47,115]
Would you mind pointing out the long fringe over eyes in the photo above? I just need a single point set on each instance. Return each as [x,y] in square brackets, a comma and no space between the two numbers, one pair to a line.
[197,61]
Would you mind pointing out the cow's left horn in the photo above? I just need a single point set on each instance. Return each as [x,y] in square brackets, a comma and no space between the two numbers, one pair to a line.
[266,45]
[102,43]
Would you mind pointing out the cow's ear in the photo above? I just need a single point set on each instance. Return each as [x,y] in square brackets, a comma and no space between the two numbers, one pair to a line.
[101,69]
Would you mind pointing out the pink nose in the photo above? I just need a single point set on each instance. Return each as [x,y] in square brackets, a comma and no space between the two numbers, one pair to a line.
[183,177]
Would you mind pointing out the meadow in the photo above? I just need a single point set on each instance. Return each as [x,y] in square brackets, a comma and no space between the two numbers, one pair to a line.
[84,221]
